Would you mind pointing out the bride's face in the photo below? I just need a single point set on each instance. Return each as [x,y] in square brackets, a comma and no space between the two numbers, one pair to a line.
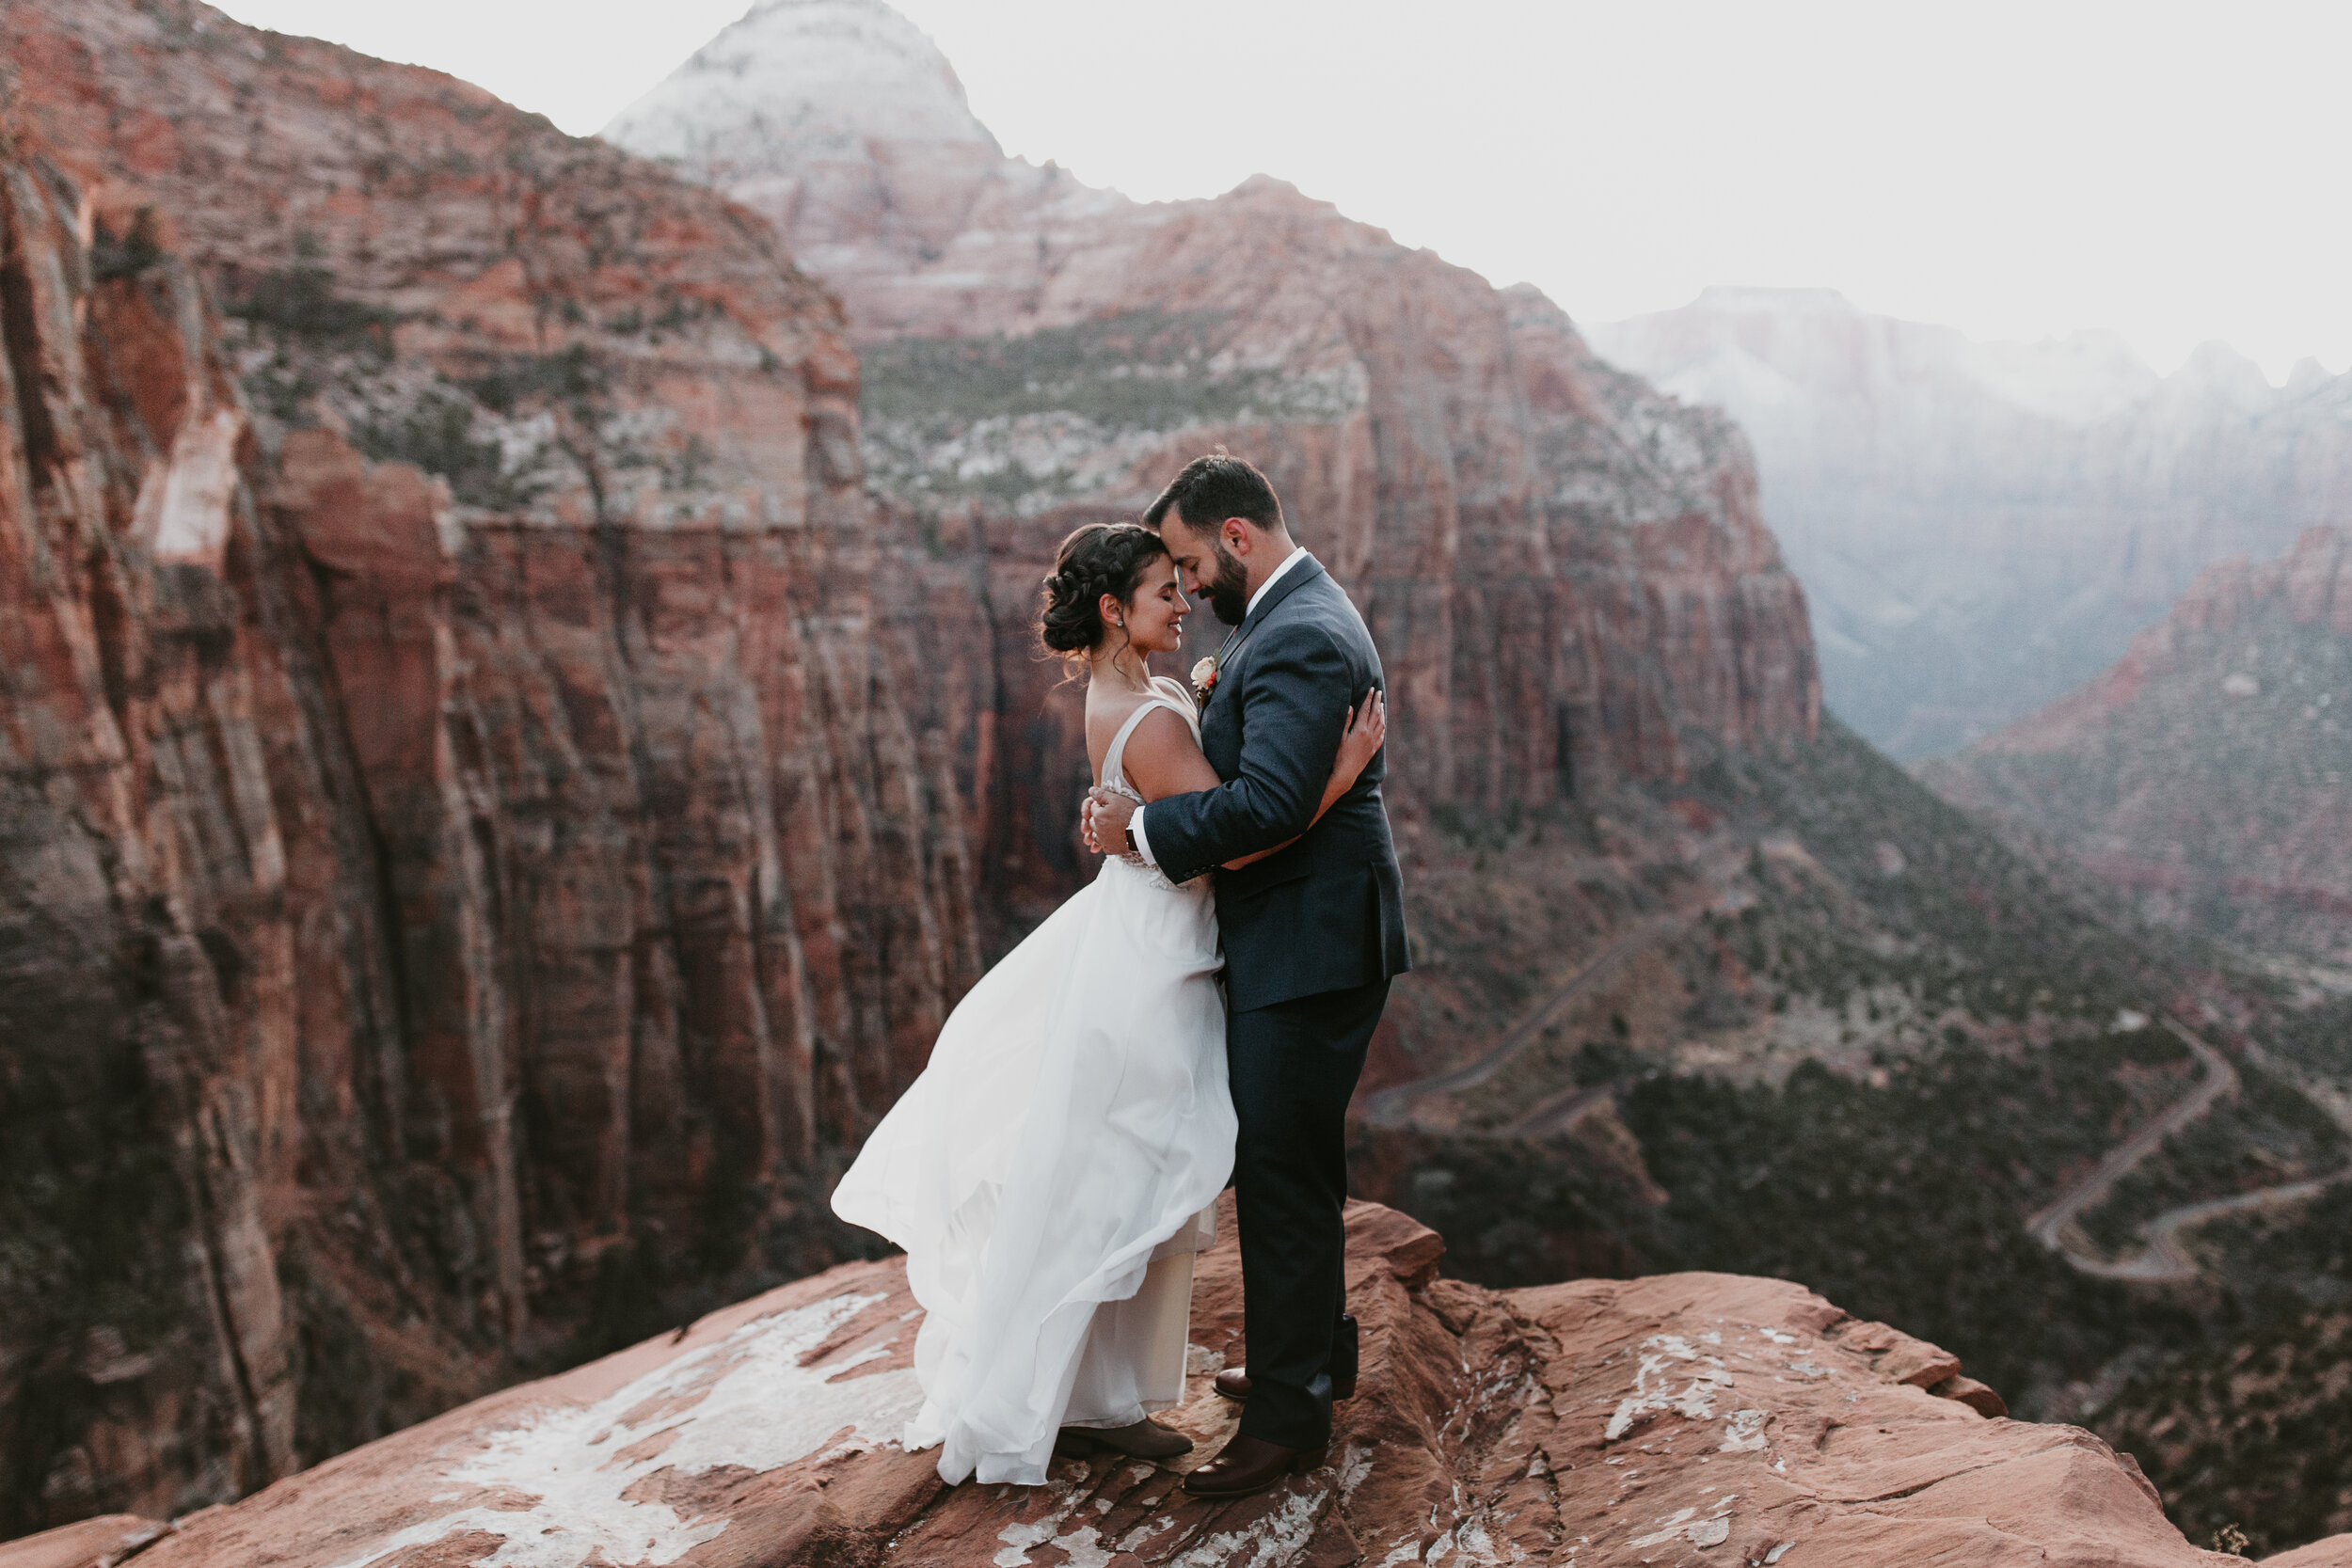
[1156,610]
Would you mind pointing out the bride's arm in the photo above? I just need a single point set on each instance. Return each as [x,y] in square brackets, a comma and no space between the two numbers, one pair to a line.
[1163,759]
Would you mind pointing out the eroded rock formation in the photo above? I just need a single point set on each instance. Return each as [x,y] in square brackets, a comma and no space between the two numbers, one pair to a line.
[149,957]
[1690,1419]
[440,912]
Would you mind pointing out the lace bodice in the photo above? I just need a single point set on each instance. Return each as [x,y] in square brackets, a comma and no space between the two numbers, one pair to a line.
[1168,694]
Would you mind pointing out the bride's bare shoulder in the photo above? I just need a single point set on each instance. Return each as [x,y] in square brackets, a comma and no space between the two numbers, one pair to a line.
[1162,726]
[1163,756]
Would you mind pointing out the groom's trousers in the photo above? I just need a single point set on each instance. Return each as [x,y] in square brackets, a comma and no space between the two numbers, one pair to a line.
[1294,1066]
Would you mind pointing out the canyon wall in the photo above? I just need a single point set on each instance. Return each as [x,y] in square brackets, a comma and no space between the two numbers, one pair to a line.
[2203,773]
[1982,526]
[444,912]
[149,958]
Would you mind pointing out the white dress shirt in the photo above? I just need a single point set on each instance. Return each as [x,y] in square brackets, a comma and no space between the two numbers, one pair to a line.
[1298,553]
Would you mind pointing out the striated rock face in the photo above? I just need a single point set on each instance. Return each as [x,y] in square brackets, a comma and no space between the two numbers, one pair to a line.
[1982,526]
[149,955]
[1689,1418]
[1567,574]
[2204,773]
[440,915]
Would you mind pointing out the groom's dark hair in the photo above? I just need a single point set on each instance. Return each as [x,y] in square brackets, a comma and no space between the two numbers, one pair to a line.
[1215,487]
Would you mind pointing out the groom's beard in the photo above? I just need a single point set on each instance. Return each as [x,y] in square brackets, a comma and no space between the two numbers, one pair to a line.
[1228,593]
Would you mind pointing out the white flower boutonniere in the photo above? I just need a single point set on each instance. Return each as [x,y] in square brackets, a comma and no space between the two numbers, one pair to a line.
[1204,680]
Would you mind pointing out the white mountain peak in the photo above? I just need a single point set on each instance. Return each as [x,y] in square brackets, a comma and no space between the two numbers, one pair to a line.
[796,81]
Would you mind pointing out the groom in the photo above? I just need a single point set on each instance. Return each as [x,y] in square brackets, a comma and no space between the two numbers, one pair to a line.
[1312,936]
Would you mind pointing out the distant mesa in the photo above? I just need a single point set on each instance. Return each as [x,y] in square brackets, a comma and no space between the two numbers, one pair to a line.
[1035,351]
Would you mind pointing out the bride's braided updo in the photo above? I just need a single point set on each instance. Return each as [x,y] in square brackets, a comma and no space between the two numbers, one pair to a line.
[1095,559]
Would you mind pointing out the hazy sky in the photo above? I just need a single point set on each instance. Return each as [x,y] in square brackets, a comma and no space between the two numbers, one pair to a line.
[2174,171]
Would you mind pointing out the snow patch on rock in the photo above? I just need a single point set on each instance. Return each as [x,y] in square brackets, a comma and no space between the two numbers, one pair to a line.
[1663,1356]
[743,1401]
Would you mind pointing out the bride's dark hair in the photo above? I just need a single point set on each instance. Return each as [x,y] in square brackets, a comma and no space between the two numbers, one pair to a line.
[1095,559]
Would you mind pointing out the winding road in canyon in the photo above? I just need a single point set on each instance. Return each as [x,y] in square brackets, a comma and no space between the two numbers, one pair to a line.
[1710,861]
[2162,1259]
[1392,1106]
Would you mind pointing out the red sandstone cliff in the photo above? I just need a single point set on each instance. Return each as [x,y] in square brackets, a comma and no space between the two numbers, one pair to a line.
[439,913]
[2204,774]
[1695,1418]
[147,1016]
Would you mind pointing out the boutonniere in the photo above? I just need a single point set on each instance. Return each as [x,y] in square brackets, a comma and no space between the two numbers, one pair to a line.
[1204,680]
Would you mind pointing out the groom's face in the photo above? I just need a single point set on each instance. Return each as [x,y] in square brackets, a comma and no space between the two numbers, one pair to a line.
[1210,570]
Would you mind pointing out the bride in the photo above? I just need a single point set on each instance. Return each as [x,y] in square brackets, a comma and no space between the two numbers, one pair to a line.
[1056,1166]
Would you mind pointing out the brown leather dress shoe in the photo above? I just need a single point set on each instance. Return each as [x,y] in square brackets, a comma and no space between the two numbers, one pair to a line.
[1251,1465]
[1144,1439]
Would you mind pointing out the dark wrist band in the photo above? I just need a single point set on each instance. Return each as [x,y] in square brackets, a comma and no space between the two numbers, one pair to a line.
[1130,831]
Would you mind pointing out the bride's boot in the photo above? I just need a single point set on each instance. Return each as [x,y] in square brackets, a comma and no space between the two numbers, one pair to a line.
[1144,1439]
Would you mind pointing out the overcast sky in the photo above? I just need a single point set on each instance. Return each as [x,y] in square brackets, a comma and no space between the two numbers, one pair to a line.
[2176,172]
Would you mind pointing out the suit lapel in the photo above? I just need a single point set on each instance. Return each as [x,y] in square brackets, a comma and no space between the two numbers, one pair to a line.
[1292,580]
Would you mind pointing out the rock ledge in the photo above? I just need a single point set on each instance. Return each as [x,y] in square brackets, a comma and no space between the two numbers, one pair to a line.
[1691,1419]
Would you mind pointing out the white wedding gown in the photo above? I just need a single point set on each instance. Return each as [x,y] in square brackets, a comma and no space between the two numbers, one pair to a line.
[1056,1166]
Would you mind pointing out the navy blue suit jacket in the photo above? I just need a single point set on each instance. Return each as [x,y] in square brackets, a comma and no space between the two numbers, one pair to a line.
[1327,912]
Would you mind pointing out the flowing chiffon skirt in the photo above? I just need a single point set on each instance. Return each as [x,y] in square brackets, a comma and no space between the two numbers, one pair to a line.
[1068,1137]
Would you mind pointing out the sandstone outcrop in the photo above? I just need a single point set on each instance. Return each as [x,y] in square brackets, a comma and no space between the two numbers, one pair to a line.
[1688,1418]
[1982,526]
[2205,774]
